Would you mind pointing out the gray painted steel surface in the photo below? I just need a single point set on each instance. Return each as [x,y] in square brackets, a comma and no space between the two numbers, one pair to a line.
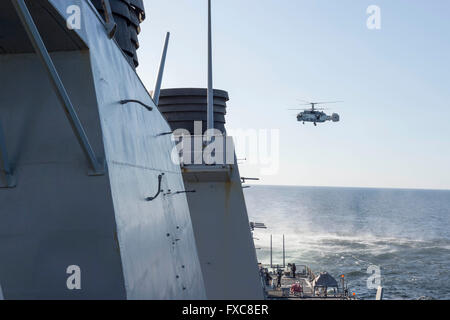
[5,167]
[217,207]
[59,216]
[222,233]
[13,38]
[35,38]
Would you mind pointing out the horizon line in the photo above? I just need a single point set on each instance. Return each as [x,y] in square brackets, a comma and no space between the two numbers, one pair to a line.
[348,187]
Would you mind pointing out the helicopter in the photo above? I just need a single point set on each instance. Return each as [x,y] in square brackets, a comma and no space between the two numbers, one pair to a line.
[316,115]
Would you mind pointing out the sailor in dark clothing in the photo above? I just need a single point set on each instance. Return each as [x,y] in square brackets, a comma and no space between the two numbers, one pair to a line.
[268,278]
[279,274]
[294,269]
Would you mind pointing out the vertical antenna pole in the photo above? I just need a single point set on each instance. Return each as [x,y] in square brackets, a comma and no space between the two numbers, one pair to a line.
[210,110]
[271,251]
[284,254]
[157,91]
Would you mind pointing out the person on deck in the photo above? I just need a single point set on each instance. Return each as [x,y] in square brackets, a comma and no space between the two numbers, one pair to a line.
[297,289]
[279,274]
[294,269]
[268,278]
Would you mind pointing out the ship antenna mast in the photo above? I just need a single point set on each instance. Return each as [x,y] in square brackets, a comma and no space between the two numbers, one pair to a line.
[210,95]
[157,91]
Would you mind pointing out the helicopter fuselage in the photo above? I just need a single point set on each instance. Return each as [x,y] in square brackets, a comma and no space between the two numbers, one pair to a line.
[316,117]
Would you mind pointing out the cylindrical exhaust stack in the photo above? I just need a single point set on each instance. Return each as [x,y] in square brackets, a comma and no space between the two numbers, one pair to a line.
[182,107]
[128,15]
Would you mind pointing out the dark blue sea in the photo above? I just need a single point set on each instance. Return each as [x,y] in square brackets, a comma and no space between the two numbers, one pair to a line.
[406,233]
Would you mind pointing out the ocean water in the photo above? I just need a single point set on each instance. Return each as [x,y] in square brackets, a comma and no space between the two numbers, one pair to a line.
[406,233]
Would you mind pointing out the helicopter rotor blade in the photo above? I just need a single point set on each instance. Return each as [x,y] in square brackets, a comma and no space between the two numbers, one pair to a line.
[316,103]
[328,102]
[308,109]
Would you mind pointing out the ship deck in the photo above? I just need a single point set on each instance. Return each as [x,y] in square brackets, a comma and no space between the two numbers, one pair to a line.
[284,292]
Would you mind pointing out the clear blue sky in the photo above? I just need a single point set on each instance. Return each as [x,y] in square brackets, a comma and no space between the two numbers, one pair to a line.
[395,122]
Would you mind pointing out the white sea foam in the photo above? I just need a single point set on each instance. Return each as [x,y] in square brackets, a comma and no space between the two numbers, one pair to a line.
[346,230]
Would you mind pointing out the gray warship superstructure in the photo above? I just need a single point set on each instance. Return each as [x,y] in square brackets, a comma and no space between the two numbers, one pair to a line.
[92,205]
